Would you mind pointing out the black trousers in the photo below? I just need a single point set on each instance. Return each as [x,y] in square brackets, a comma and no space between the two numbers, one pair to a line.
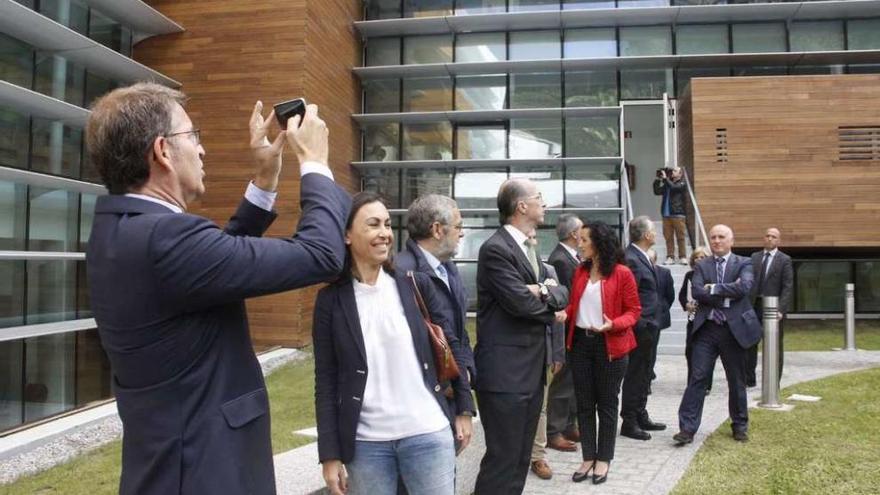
[709,342]
[510,421]
[597,387]
[638,374]
[752,356]
[561,404]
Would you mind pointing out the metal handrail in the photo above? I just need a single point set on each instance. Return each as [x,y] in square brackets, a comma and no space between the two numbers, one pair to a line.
[698,220]
[627,204]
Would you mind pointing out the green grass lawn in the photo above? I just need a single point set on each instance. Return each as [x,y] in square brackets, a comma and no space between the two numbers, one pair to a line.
[292,406]
[823,335]
[826,447]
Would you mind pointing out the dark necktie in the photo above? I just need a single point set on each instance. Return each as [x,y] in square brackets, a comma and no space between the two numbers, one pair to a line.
[763,272]
[717,315]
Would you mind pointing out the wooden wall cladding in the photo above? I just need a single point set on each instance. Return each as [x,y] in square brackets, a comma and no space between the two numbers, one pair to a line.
[766,153]
[235,52]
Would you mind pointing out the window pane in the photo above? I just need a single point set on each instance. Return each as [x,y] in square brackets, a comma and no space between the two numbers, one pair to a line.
[468,274]
[59,78]
[51,291]
[385,182]
[383,9]
[96,87]
[92,369]
[381,95]
[480,92]
[11,366]
[14,138]
[427,94]
[759,71]
[480,142]
[13,211]
[57,148]
[478,188]
[684,76]
[820,286]
[701,39]
[868,286]
[535,138]
[49,375]
[427,141]
[816,36]
[534,45]
[110,33]
[426,8]
[469,246]
[642,3]
[640,41]
[419,182]
[381,142]
[592,136]
[480,47]
[382,51]
[466,7]
[591,89]
[86,219]
[427,49]
[11,293]
[536,90]
[758,38]
[588,186]
[548,180]
[587,4]
[70,13]
[16,62]
[646,84]
[53,220]
[863,34]
[533,5]
[590,43]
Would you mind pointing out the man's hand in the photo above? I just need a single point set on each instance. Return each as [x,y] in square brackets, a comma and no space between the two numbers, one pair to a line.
[550,283]
[691,306]
[310,140]
[464,429]
[266,155]
[606,326]
[561,316]
[556,368]
[535,289]
[335,477]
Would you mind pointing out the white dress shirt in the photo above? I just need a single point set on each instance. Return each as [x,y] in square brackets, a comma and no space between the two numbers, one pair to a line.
[590,306]
[518,237]
[435,265]
[573,252]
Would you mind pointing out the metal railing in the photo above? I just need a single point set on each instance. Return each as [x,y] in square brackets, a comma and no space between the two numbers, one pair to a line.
[625,202]
[700,237]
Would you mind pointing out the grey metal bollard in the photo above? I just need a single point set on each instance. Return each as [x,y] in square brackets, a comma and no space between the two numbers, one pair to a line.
[770,355]
[850,317]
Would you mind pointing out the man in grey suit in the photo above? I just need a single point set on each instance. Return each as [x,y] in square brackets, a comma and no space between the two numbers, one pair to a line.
[515,305]
[725,325]
[562,428]
[774,276]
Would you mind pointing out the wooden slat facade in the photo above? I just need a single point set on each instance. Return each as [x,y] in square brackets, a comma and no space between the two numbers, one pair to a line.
[236,52]
[765,151]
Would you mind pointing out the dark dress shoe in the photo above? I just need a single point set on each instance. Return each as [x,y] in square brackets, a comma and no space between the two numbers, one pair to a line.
[577,477]
[649,425]
[572,434]
[741,436]
[599,479]
[683,438]
[558,442]
[633,431]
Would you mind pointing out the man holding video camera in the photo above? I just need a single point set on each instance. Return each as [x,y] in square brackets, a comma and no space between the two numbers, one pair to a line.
[672,188]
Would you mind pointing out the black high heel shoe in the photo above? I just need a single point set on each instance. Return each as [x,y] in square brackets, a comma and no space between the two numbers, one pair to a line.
[599,479]
[578,477]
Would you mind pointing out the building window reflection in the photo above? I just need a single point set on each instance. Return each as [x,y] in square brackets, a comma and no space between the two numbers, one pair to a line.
[480,142]
[535,138]
[481,92]
[427,141]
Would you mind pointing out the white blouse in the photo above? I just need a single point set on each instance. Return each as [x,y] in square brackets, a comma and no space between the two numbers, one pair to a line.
[590,307]
[396,403]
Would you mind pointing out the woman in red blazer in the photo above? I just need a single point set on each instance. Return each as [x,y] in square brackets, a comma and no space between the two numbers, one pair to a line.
[602,311]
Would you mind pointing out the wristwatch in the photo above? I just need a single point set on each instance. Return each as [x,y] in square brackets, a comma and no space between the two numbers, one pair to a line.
[542,288]
[466,413]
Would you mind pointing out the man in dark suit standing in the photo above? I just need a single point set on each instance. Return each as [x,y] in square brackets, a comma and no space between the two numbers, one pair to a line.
[562,429]
[665,298]
[168,288]
[774,276]
[725,324]
[435,228]
[516,302]
[636,420]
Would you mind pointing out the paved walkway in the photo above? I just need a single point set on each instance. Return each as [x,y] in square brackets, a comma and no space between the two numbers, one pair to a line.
[652,467]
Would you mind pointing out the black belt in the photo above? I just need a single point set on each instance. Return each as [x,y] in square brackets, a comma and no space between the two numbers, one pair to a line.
[587,332]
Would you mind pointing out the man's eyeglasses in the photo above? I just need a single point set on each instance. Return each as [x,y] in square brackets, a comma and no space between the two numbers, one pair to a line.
[539,197]
[195,132]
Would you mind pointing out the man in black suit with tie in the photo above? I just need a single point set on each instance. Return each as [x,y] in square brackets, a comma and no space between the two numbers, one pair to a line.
[168,288]
[562,428]
[774,276]
[636,420]
[725,325]
[515,305]
[435,228]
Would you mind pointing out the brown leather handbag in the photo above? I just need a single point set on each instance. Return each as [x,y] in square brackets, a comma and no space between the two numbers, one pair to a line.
[444,361]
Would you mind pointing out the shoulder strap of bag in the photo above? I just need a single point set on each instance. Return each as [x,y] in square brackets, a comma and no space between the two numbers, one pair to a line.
[419,300]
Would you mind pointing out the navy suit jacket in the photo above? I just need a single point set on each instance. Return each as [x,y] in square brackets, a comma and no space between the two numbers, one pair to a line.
[167,290]
[454,308]
[666,296]
[341,359]
[737,284]
[511,322]
[646,278]
[565,265]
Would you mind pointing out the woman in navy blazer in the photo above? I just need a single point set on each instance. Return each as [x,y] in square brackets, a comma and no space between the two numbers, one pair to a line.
[381,412]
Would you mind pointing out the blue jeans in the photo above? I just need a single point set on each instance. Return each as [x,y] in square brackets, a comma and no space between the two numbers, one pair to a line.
[425,463]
